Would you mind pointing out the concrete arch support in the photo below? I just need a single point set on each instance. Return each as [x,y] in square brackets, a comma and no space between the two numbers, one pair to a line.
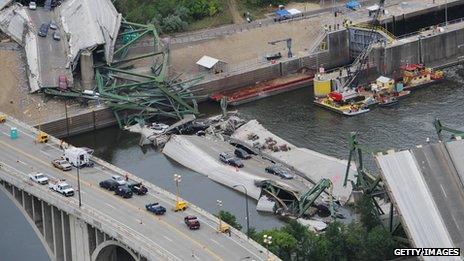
[108,251]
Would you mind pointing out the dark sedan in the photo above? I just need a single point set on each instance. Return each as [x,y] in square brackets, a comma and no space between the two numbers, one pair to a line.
[109,184]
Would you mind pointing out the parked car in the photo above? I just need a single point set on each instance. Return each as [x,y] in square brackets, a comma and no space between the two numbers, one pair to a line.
[228,159]
[123,191]
[279,171]
[192,222]
[53,25]
[32,5]
[273,56]
[156,208]
[38,177]
[119,179]
[138,188]
[241,153]
[43,31]
[56,36]
[109,184]
[61,164]
[62,82]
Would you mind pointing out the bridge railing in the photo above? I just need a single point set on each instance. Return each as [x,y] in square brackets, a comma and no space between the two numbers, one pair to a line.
[121,232]
[207,216]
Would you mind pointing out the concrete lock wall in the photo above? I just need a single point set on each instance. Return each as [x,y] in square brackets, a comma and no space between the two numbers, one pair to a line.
[434,50]
[336,55]
[81,123]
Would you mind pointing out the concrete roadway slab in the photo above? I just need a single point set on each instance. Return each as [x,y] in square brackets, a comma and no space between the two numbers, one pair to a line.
[445,187]
[165,232]
[52,54]
[418,206]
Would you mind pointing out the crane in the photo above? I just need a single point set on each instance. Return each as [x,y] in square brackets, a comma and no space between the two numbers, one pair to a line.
[289,45]
[361,60]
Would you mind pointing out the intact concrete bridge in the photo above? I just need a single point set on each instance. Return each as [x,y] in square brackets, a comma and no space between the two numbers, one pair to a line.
[106,227]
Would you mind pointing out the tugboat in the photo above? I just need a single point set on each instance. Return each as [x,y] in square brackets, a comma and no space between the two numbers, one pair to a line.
[417,75]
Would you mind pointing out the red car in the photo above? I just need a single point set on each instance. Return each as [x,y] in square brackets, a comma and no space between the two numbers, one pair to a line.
[192,222]
[63,82]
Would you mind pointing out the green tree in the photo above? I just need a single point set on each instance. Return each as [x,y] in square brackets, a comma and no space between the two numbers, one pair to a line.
[230,219]
[173,23]
[366,208]
[283,244]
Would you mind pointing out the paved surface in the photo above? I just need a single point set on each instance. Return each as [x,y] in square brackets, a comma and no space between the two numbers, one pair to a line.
[167,233]
[426,186]
[52,54]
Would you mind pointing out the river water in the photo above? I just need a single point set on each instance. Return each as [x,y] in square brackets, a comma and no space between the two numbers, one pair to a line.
[293,117]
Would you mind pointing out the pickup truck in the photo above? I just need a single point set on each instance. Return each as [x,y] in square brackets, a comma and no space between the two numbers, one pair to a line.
[156,208]
[228,159]
[38,178]
[63,188]
[61,164]
[192,222]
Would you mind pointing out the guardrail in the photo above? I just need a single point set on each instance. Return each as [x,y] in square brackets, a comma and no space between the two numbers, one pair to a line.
[379,29]
[456,21]
[170,196]
[107,224]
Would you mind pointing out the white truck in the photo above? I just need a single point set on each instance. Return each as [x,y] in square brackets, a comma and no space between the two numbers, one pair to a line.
[62,187]
[78,157]
[38,177]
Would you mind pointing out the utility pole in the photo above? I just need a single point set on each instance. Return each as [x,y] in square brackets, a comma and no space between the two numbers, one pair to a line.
[79,180]
[446,14]
[246,206]
[219,204]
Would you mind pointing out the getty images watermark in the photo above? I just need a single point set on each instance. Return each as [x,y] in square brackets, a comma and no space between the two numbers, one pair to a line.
[427,252]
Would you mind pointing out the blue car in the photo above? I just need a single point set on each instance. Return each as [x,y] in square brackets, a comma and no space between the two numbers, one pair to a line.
[156,208]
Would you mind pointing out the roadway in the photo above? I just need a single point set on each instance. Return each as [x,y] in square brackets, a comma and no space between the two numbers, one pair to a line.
[167,233]
[254,166]
[445,187]
[52,54]
[417,206]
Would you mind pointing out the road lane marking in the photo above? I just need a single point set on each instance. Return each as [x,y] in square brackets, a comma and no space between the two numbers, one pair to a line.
[6,134]
[456,223]
[168,239]
[45,153]
[443,190]
[202,246]
[111,206]
[217,243]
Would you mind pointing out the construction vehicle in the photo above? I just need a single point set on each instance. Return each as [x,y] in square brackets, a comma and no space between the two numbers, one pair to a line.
[41,137]
[2,118]
[180,205]
[224,228]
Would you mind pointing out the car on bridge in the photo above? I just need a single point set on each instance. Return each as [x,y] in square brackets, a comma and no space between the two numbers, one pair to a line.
[241,153]
[43,31]
[109,184]
[192,222]
[119,179]
[279,171]
[156,208]
[138,188]
[123,191]
[61,164]
[38,178]
[228,159]
[62,187]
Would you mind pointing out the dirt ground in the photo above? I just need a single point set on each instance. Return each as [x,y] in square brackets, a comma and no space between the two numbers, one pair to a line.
[246,48]
[15,99]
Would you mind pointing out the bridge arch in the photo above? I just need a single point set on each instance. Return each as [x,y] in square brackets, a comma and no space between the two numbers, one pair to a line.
[113,251]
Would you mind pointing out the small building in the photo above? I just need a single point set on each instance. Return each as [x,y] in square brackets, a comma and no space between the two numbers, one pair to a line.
[385,82]
[211,64]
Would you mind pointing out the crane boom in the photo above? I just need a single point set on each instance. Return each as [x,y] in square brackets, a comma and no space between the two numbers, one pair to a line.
[361,60]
